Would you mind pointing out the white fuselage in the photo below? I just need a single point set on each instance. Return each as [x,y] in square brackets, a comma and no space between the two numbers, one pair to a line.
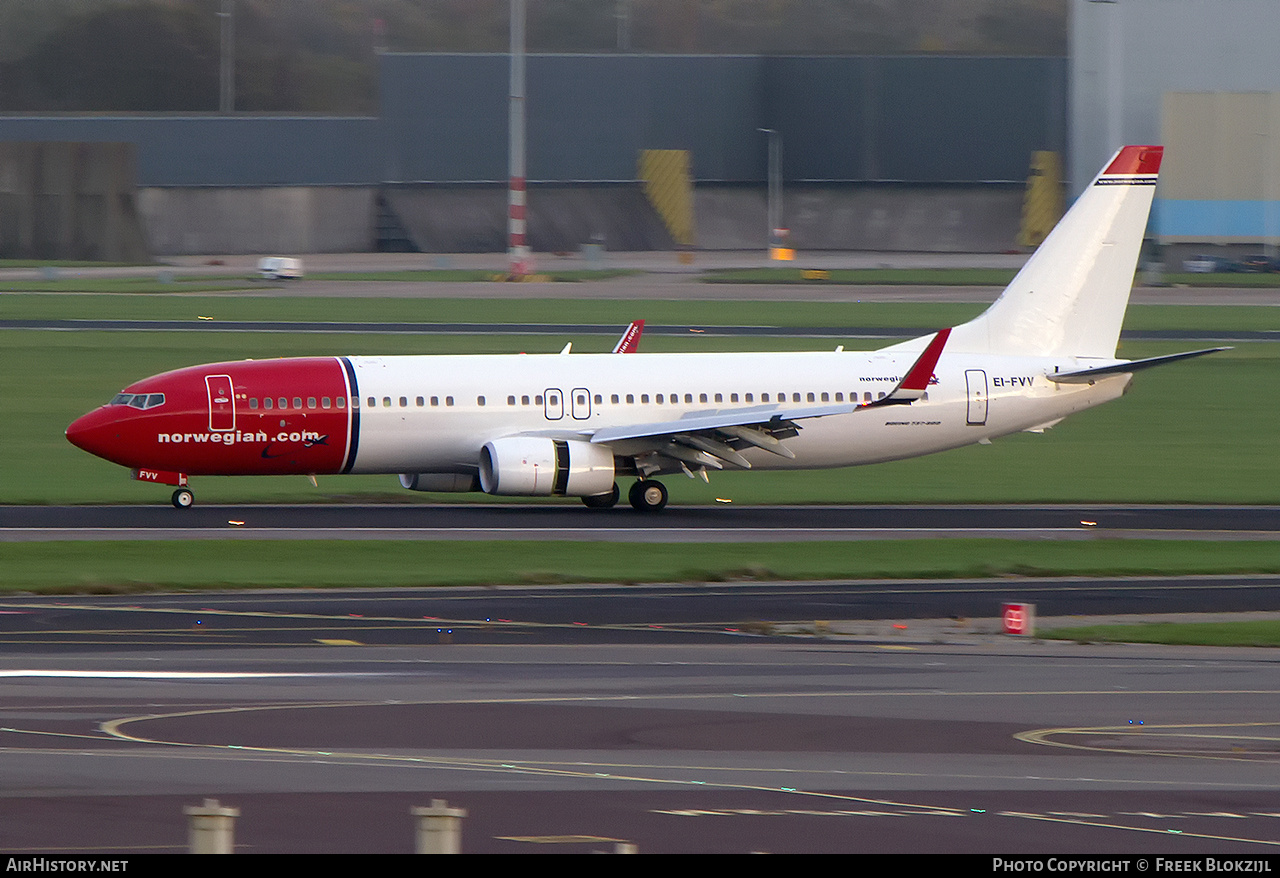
[434,413]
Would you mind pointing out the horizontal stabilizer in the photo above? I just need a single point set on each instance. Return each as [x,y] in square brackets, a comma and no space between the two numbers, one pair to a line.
[1084,376]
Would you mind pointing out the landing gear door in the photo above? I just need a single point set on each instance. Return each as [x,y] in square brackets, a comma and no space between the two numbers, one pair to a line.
[222,403]
[976,379]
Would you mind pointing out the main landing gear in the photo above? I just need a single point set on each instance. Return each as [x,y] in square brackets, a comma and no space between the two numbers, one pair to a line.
[647,495]
[183,498]
[603,501]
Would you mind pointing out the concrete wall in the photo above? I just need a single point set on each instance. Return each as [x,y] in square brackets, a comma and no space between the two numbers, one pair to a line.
[954,219]
[473,219]
[69,201]
[274,219]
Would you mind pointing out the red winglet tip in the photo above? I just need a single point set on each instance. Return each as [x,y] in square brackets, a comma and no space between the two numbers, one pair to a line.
[1136,160]
[922,371]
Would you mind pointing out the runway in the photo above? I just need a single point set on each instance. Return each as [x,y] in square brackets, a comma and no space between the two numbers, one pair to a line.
[571,521]
[962,741]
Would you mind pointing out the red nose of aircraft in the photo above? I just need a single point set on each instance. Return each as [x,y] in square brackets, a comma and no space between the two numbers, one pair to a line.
[98,432]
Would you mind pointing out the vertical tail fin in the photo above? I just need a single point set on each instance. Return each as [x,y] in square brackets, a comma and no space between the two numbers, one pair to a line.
[1070,297]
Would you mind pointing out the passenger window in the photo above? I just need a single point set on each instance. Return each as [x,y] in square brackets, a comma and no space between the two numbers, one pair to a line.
[342,402]
[809,397]
[719,397]
[600,399]
[614,399]
[795,397]
[764,397]
[537,400]
[750,398]
[702,397]
[297,402]
[404,402]
[311,402]
[631,398]
[511,400]
[282,403]
[659,399]
[435,400]
[448,400]
[479,400]
[733,397]
[688,397]
[826,397]
[419,401]
[644,398]
[386,402]
[371,402]
[839,396]
[325,402]
[524,400]
[253,404]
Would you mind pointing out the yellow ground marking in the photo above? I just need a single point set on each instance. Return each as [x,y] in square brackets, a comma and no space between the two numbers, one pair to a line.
[558,839]
[1164,731]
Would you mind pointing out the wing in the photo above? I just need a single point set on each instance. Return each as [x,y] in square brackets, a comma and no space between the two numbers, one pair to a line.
[716,438]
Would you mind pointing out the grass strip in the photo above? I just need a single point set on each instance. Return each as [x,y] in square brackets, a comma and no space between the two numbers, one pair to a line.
[869,315]
[154,565]
[1258,632]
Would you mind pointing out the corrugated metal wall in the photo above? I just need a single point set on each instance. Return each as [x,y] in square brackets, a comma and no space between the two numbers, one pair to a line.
[850,118]
[226,150]
[444,119]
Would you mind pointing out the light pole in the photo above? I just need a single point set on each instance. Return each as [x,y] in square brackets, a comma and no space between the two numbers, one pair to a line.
[227,67]
[775,192]
[517,245]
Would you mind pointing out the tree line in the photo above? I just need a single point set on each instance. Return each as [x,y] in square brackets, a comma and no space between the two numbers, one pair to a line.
[321,55]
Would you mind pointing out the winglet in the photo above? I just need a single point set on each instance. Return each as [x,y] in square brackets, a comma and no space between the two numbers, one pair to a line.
[917,379]
[630,341]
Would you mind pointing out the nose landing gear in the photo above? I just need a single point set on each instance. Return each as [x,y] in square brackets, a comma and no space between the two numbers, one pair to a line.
[183,498]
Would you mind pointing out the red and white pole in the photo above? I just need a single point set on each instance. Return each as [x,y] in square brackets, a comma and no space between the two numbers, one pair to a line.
[517,245]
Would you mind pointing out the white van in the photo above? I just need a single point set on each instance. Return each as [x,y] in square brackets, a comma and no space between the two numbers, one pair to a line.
[280,268]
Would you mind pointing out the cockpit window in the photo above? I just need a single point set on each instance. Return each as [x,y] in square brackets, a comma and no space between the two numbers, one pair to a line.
[138,400]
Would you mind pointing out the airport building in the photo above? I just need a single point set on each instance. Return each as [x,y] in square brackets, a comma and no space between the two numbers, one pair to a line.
[922,153]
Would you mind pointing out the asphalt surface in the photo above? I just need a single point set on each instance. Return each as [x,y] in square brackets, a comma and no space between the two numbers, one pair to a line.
[293,708]
[727,523]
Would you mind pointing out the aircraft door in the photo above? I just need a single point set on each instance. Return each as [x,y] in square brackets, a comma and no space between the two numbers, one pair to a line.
[976,379]
[222,403]
[581,403]
[554,403]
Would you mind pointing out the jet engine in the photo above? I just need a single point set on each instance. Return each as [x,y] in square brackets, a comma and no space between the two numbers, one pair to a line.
[531,466]
[455,483]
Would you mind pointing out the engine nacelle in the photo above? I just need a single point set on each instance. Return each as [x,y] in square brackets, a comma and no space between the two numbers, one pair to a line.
[529,466]
[443,483]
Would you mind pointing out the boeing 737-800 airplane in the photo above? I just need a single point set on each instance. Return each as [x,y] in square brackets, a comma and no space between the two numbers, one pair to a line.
[572,424]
